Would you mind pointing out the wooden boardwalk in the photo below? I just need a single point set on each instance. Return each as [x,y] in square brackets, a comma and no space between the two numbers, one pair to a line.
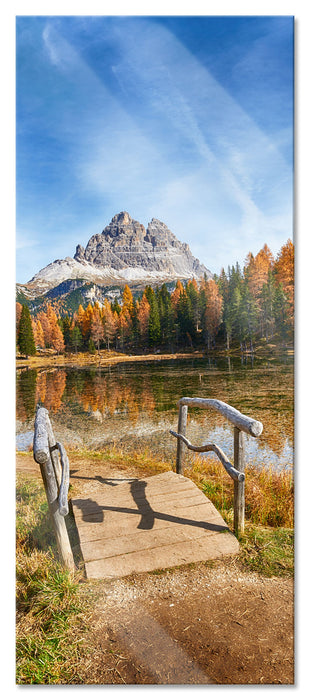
[138,525]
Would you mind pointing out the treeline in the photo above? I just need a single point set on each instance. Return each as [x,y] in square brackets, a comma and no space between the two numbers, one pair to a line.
[238,306]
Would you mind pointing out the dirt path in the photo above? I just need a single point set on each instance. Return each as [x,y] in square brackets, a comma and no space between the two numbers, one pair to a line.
[197,624]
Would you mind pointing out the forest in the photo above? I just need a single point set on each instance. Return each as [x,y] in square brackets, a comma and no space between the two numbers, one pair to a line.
[239,307]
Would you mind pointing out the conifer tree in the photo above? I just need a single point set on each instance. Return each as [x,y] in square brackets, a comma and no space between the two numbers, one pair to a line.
[76,338]
[26,342]
[154,321]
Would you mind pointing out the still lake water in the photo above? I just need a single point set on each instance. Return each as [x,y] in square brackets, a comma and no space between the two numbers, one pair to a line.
[134,405]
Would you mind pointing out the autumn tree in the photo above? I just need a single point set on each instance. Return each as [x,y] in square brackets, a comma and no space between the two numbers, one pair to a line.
[127,301]
[284,272]
[40,334]
[175,296]
[213,311]
[17,317]
[86,323]
[96,328]
[109,321]
[143,318]
[45,325]
[57,339]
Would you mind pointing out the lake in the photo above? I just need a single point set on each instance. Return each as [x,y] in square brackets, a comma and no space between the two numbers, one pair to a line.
[134,405]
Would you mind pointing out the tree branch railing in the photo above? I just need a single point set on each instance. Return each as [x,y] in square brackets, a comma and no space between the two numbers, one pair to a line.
[54,466]
[242,424]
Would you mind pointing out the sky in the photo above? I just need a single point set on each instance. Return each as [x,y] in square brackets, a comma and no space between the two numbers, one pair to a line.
[187,119]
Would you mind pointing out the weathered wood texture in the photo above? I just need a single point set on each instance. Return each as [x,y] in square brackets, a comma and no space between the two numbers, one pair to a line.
[248,425]
[239,495]
[212,447]
[146,524]
[242,424]
[44,454]
[180,444]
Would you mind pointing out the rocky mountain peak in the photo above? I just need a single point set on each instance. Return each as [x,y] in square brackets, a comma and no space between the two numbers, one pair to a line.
[122,218]
[125,252]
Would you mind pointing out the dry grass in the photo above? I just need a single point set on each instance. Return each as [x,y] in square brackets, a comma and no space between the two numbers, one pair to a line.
[269,495]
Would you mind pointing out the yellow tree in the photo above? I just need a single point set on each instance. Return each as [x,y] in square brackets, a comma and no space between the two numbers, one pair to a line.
[45,324]
[284,272]
[87,321]
[143,318]
[127,301]
[96,330]
[109,323]
[57,339]
[124,327]
[39,335]
[257,269]
[18,315]
[79,317]
[175,296]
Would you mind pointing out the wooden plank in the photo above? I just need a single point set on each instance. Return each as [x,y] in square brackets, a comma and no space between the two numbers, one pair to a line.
[113,520]
[144,540]
[163,557]
[89,506]
[205,522]
[167,521]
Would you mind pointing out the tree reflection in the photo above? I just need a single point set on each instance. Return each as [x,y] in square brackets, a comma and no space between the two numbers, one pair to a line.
[26,393]
[265,393]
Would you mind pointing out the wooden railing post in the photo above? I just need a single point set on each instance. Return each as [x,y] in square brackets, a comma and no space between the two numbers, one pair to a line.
[42,455]
[180,445]
[239,494]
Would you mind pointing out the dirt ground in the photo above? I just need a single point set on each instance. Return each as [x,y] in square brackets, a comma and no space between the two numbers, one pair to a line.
[204,623]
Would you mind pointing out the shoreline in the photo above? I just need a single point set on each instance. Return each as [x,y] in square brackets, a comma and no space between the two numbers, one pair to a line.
[105,358]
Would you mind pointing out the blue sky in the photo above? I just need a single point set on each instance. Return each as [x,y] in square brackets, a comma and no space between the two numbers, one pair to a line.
[185,119]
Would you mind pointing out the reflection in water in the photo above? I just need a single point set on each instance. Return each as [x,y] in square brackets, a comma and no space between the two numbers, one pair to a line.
[136,404]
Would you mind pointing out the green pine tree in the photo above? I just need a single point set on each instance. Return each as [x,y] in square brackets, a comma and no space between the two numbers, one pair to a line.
[154,319]
[25,340]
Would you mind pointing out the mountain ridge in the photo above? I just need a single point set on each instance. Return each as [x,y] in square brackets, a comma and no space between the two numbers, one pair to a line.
[124,252]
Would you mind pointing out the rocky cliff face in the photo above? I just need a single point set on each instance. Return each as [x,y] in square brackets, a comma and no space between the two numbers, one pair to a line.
[125,243]
[125,252]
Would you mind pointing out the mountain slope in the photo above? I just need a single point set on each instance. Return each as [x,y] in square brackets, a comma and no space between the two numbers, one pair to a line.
[125,252]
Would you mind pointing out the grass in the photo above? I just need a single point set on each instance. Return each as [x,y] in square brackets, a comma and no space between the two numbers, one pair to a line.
[51,610]
[54,609]
[269,495]
[268,551]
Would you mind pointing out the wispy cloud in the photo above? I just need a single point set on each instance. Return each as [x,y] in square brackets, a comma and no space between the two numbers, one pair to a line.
[142,124]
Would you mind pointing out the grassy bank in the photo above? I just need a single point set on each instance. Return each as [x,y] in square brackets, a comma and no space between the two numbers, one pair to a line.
[54,607]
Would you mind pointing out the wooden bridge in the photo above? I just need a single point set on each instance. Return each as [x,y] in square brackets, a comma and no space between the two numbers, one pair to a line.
[136,525]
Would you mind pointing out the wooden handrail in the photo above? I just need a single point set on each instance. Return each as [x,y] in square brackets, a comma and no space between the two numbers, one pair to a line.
[212,447]
[242,424]
[239,420]
[56,480]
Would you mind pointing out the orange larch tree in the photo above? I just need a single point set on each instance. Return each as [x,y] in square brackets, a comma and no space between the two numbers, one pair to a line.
[284,272]
[96,329]
[143,318]
[109,320]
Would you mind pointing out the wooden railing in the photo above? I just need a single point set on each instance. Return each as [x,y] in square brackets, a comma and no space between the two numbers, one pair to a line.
[242,424]
[54,465]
